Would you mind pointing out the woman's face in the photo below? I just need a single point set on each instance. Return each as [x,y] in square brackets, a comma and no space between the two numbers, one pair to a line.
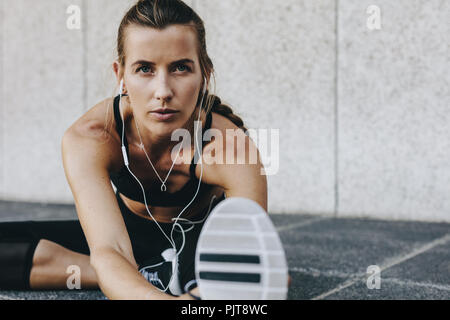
[162,71]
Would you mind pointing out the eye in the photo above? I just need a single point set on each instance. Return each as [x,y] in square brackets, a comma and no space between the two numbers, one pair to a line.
[183,68]
[144,69]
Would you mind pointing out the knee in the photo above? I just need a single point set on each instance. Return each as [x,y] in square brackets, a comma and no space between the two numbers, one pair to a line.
[45,252]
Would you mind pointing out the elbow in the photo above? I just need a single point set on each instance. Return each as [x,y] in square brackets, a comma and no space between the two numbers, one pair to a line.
[102,258]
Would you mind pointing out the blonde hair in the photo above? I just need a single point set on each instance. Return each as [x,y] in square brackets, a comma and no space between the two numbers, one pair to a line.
[159,14]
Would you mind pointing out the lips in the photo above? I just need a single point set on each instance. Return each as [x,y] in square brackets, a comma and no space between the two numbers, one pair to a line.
[159,116]
[164,111]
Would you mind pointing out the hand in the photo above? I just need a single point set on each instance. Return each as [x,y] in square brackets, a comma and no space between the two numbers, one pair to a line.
[186,296]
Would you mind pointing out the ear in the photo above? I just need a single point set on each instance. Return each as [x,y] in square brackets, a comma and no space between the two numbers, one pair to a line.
[119,74]
[116,69]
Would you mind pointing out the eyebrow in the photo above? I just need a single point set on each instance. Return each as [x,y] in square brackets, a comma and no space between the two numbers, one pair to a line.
[172,63]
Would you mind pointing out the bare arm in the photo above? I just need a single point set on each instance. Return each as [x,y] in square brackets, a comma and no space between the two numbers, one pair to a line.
[87,160]
[238,175]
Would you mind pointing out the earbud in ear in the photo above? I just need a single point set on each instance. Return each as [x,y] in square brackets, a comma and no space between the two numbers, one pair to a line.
[121,87]
[204,86]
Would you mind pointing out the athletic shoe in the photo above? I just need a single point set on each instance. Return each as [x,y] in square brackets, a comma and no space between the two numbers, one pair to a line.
[239,254]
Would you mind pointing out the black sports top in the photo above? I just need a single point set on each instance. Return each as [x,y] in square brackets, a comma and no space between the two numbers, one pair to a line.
[128,186]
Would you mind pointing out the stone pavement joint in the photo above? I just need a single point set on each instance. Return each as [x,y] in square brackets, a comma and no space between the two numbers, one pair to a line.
[302,224]
[416,284]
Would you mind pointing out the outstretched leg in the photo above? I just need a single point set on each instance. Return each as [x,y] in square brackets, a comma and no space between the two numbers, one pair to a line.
[36,255]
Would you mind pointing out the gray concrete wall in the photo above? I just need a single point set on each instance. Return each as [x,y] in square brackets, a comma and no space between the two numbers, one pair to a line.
[362,114]
[394,116]
[42,94]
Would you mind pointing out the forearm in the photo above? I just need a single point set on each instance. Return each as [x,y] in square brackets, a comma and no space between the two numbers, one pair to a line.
[120,280]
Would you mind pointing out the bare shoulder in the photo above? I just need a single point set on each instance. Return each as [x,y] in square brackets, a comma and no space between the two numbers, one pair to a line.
[232,161]
[95,121]
[222,123]
[229,139]
[92,135]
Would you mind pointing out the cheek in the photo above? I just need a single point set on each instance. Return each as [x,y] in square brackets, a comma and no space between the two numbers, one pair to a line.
[191,92]
[135,83]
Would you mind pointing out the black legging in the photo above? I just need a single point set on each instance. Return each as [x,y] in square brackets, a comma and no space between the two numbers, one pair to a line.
[18,241]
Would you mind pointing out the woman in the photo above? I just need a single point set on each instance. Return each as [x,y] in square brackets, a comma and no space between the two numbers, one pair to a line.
[163,71]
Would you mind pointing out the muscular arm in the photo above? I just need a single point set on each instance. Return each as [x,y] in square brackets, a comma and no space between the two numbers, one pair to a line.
[86,162]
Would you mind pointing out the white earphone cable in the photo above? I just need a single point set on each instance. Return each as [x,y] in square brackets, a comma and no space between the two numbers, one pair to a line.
[176,224]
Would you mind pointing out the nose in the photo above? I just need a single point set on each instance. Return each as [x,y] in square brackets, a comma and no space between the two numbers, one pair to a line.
[163,91]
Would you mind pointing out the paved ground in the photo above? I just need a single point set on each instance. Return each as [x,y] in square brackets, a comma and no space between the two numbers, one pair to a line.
[328,258]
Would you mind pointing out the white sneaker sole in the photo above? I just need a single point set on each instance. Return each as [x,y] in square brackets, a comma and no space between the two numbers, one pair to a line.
[239,254]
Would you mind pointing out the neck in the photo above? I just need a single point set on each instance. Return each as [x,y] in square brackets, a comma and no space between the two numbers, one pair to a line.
[158,145]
